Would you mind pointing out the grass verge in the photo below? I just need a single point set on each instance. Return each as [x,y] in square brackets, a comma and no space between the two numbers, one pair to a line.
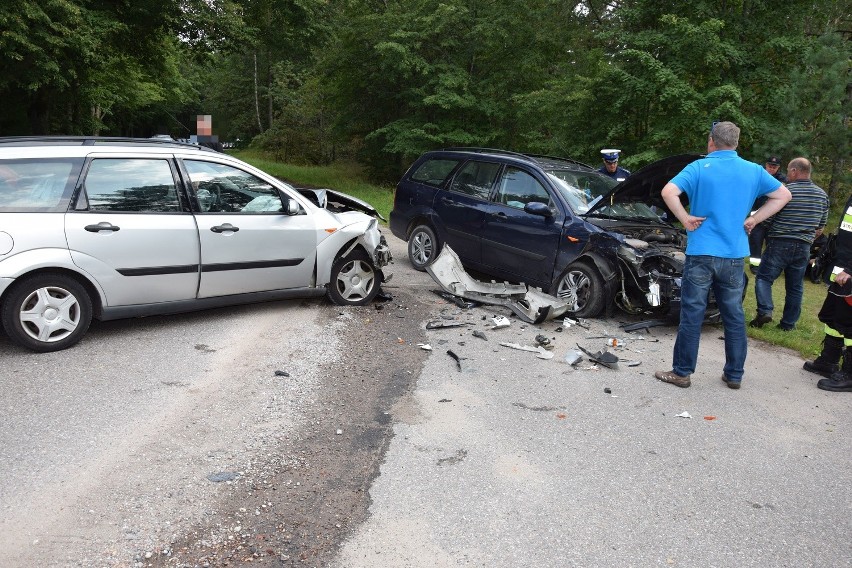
[345,177]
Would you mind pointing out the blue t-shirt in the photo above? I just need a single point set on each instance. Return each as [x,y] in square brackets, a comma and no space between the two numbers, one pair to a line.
[722,187]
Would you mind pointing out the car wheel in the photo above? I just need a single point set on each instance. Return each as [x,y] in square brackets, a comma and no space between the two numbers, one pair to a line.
[423,247]
[583,288]
[354,280]
[48,312]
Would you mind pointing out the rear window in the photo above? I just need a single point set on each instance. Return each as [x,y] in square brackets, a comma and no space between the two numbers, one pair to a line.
[37,185]
[130,185]
[434,172]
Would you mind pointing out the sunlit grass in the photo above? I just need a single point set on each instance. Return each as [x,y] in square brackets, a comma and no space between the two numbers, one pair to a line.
[344,177]
[807,337]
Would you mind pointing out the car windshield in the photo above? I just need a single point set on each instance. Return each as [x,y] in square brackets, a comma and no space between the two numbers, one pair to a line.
[583,190]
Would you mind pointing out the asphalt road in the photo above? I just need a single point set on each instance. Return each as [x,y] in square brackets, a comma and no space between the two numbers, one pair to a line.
[173,442]
[511,460]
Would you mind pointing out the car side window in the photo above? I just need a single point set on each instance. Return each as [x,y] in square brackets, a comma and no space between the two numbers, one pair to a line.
[476,179]
[220,188]
[43,184]
[517,188]
[434,172]
[131,184]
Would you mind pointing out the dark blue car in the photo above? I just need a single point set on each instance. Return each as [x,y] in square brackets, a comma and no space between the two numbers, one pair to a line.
[552,223]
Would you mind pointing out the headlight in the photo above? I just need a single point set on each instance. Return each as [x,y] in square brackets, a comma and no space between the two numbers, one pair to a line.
[629,254]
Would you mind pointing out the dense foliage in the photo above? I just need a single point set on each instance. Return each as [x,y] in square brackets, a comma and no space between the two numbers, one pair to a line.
[384,80]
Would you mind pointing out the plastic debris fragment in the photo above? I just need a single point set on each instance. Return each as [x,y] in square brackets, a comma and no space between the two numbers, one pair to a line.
[683,414]
[573,357]
[424,346]
[500,322]
[540,351]
[443,325]
[602,357]
[456,357]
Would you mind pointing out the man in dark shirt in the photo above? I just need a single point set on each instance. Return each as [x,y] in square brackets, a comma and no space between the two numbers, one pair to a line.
[757,237]
[788,247]
[836,314]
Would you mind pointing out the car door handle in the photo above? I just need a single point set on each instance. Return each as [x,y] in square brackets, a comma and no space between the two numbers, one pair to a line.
[501,215]
[101,227]
[224,228]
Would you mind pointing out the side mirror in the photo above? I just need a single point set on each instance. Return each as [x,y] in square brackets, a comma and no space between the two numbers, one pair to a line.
[538,208]
[291,208]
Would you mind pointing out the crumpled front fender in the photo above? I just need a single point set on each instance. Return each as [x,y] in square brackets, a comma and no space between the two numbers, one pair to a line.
[365,234]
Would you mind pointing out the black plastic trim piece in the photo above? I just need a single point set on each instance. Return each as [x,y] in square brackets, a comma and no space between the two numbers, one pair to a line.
[251,265]
[184,306]
[158,270]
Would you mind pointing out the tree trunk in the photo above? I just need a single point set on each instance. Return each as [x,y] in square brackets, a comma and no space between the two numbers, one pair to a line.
[257,96]
[38,113]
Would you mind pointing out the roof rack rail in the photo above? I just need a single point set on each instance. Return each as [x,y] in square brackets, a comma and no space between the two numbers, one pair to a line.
[95,141]
[485,151]
[560,159]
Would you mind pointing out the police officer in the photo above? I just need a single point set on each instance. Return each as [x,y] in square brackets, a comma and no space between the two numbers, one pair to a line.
[836,314]
[757,237]
[610,167]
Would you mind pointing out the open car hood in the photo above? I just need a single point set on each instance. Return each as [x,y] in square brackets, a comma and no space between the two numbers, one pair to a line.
[337,201]
[646,185]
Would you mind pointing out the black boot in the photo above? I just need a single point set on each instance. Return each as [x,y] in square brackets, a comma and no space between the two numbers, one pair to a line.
[826,363]
[841,381]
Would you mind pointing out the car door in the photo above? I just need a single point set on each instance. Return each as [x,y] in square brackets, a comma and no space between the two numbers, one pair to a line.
[248,242]
[518,245]
[461,207]
[132,230]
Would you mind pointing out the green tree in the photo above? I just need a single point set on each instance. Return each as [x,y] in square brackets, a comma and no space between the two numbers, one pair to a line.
[92,66]
[815,106]
[412,75]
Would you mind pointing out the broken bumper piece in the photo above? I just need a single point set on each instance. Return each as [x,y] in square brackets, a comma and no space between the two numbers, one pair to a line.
[530,304]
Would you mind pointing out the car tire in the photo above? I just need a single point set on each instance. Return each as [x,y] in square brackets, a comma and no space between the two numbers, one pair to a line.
[354,280]
[423,247]
[583,287]
[47,312]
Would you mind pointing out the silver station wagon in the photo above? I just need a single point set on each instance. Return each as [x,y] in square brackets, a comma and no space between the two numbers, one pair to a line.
[110,228]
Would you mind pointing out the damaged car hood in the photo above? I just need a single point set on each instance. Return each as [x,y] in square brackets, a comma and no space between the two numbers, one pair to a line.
[337,201]
[646,185]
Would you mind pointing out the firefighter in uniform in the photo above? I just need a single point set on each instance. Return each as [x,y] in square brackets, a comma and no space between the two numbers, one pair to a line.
[836,314]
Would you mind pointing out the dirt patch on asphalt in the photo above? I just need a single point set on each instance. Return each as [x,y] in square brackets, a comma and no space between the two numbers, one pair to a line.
[302,498]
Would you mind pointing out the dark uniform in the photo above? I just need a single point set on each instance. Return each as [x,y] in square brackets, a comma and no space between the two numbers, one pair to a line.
[836,314]
[620,174]
[758,234]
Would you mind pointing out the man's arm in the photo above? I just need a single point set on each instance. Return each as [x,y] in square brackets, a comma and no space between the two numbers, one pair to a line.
[671,195]
[775,202]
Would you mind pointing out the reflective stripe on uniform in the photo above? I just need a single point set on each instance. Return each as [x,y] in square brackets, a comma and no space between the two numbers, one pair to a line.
[846,222]
[831,331]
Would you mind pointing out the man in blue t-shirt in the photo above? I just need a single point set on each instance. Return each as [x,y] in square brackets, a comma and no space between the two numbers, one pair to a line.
[721,189]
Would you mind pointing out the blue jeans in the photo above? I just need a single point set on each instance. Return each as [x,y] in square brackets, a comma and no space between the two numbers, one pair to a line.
[726,278]
[791,257]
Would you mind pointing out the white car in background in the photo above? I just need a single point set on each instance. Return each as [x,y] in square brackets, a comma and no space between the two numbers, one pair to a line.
[110,228]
